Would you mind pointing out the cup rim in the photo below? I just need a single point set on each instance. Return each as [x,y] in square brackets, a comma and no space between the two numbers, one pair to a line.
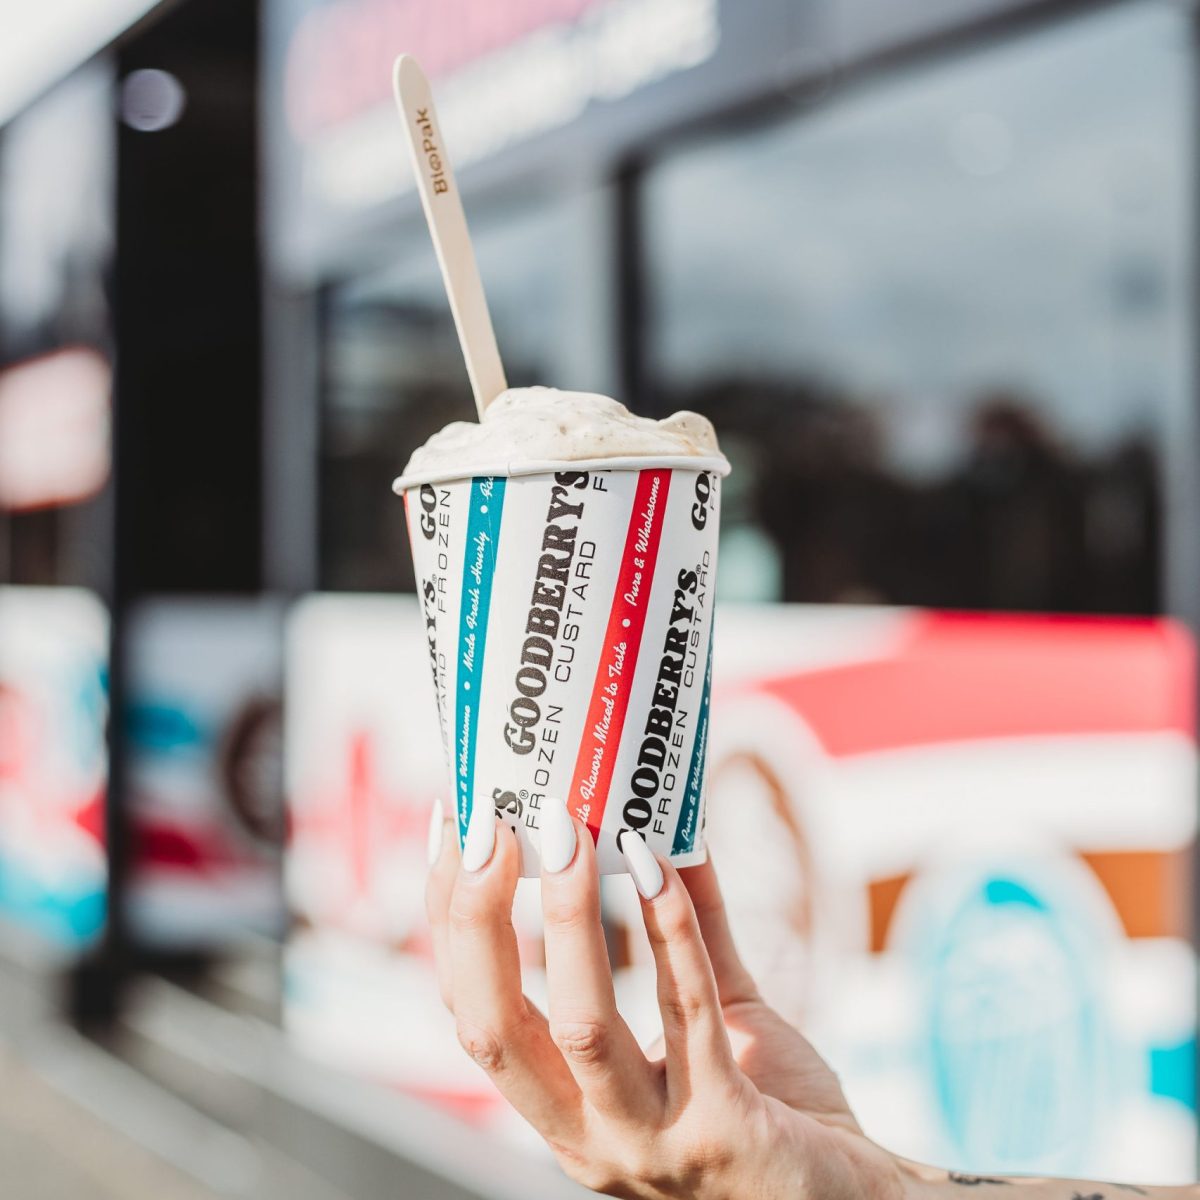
[717,464]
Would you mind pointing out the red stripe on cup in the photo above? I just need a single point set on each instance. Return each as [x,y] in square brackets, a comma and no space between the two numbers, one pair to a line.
[618,659]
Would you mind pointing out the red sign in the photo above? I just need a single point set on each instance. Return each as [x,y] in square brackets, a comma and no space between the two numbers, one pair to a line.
[339,63]
[54,429]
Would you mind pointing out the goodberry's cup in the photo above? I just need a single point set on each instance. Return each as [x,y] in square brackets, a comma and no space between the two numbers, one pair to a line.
[568,610]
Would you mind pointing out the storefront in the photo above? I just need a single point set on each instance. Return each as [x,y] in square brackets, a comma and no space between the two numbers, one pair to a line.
[929,271]
[57,183]
[929,268]
[130,468]
[887,281]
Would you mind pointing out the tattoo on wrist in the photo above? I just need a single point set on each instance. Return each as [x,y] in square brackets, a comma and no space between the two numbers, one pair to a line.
[991,1181]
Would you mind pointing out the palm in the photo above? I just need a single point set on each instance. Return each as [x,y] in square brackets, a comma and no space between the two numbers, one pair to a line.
[780,1062]
[774,1056]
[792,1078]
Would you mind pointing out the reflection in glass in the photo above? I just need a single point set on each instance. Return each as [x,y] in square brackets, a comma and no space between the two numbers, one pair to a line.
[57,185]
[941,323]
[395,375]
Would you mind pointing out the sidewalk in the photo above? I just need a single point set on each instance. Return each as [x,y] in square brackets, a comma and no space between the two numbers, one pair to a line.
[50,1149]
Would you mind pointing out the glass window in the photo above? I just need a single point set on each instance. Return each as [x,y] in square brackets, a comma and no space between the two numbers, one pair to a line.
[941,323]
[56,242]
[395,375]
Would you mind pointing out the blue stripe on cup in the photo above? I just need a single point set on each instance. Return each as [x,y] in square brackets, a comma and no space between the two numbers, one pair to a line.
[687,830]
[479,565]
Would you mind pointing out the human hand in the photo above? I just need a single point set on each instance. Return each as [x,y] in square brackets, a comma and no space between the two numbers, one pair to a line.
[737,1105]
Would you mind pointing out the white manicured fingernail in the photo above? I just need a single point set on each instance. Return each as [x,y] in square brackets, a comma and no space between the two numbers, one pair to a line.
[481,836]
[643,866]
[433,844]
[558,836]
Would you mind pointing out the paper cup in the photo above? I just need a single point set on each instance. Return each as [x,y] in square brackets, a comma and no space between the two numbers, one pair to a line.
[568,610]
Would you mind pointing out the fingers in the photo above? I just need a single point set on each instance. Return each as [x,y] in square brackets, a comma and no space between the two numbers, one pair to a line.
[694,1036]
[735,985]
[496,1025]
[444,858]
[443,867]
[599,1048]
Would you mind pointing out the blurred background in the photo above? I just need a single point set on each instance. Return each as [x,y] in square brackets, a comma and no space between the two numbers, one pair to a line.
[929,266]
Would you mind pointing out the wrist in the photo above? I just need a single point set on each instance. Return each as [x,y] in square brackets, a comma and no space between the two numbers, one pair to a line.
[917,1181]
[886,1176]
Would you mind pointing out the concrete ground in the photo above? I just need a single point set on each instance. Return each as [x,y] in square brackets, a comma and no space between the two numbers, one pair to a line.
[51,1149]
